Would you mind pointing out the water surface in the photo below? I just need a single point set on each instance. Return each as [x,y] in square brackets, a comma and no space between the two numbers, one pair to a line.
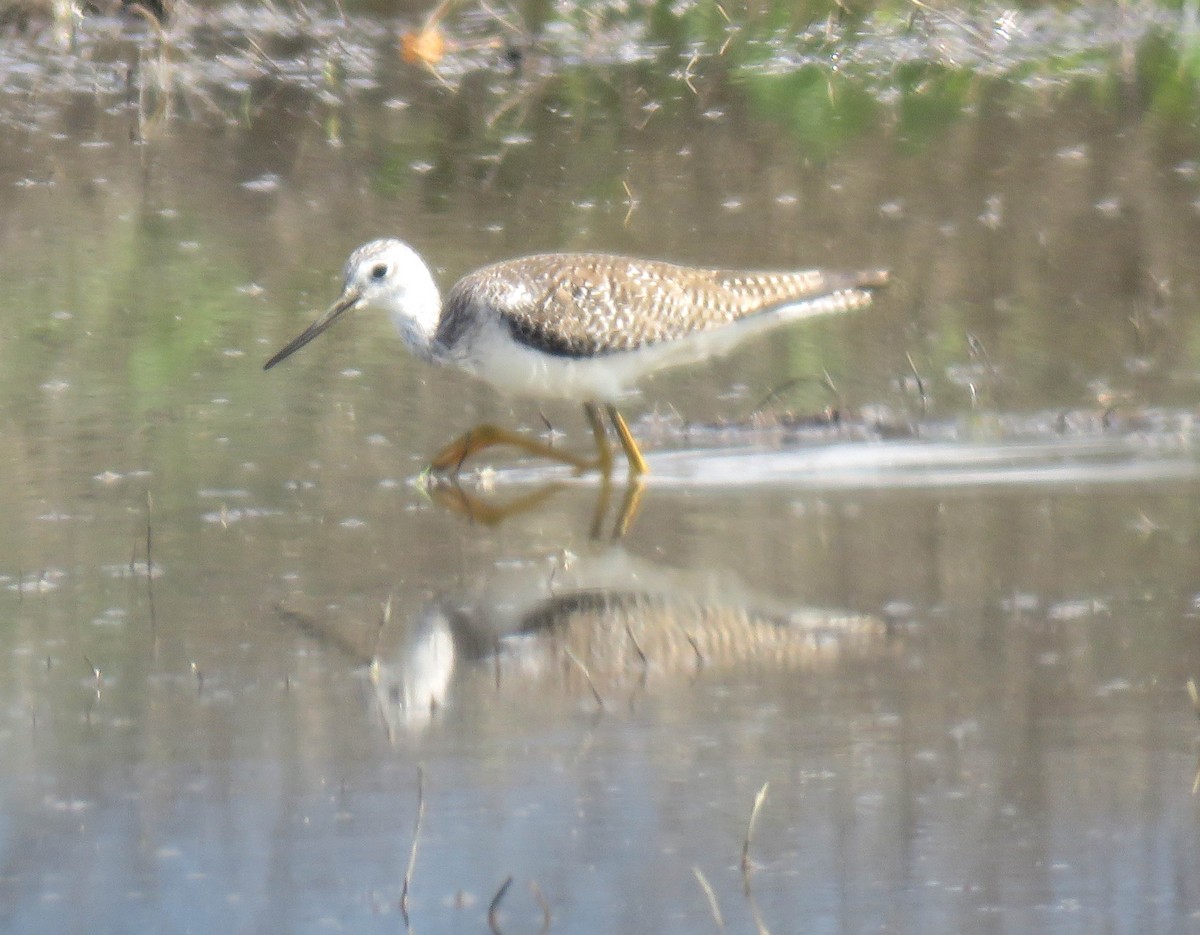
[927,573]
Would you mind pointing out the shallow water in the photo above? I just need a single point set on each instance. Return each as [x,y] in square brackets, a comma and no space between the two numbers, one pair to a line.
[942,603]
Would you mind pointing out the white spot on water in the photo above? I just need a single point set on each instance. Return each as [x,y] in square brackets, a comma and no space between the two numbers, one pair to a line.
[113,617]
[1077,610]
[268,182]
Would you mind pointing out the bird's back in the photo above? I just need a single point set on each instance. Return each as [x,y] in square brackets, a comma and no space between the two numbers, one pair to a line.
[586,305]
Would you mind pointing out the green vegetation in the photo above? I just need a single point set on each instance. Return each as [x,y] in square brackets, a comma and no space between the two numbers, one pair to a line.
[572,118]
[821,68]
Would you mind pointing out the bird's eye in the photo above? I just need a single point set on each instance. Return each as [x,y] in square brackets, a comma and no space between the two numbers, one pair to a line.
[378,271]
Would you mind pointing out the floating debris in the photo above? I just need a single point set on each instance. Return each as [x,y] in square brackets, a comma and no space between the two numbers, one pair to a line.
[136,569]
[1077,609]
[268,182]
[227,517]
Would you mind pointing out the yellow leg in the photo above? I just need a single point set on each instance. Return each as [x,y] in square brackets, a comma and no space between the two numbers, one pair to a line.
[629,507]
[600,510]
[630,504]
[604,459]
[637,464]
[447,493]
[450,459]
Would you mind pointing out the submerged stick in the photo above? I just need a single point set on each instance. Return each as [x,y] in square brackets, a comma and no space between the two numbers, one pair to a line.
[545,906]
[587,675]
[774,395]
[1194,694]
[713,907]
[149,535]
[495,905]
[758,801]
[150,569]
[412,854]
[827,382]
[754,910]
[637,647]
[920,385]
[385,617]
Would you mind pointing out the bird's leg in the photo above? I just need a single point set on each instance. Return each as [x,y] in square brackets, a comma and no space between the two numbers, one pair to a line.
[600,510]
[629,507]
[484,512]
[604,459]
[450,459]
[637,464]
[630,504]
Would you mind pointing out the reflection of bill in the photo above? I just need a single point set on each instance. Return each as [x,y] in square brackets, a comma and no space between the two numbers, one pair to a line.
[593,625]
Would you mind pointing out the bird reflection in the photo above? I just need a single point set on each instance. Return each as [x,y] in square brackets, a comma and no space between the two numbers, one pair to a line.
[488,511]
[594,628]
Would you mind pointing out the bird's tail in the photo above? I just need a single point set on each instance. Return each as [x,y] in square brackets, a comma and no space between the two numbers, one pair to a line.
[867,280]
[845,292]
[872,279]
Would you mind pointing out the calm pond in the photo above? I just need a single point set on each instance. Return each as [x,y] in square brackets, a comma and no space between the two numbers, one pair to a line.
[918,586]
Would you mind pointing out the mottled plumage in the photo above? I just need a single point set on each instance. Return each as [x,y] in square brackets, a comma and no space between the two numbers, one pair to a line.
[609,631]
[585,327]
[582,305]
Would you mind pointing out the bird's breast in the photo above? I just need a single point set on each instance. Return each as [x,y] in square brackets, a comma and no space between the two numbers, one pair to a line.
[492,354]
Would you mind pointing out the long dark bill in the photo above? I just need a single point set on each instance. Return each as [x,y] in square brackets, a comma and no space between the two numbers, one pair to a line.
[345,302]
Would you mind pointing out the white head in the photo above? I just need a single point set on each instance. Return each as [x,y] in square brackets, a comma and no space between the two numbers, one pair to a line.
[387,275]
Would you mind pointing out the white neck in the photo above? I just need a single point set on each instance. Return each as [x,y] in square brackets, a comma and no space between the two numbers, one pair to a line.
[415,308]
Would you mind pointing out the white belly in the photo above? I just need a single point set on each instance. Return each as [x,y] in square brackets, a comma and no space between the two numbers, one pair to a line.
[492,354]
[516,368]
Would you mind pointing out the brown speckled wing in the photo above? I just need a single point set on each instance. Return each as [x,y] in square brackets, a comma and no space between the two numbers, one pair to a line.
[580,305]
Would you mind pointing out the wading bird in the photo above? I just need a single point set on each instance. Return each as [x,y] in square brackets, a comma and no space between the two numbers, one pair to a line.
[583,327]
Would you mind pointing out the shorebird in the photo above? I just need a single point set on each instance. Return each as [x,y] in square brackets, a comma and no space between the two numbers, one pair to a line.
[582,327]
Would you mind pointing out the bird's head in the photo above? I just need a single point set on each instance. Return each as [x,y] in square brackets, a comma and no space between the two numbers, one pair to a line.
[387,275]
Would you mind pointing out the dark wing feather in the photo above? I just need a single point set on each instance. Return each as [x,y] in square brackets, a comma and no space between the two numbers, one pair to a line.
[579,305]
